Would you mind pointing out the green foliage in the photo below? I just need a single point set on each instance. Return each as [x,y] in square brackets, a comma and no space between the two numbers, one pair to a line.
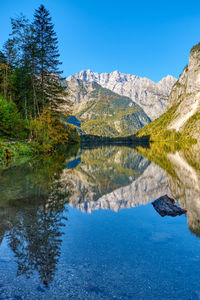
[192,126]
[16,149]
[73,134]
[99,127]
[11,123]
[49,88]
[157,130]
[48,131]
[45,132]
[29,66]
[32,88]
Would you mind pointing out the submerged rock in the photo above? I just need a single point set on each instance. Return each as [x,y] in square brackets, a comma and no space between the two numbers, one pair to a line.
[166,206]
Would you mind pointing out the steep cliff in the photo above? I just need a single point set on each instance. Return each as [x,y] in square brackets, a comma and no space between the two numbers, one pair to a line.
[182,120]
[151,96]
[186,95]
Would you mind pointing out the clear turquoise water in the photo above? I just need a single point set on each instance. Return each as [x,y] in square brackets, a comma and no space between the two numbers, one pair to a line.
[53,248]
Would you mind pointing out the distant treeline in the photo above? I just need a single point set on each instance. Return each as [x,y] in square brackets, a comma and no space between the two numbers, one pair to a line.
[94,141]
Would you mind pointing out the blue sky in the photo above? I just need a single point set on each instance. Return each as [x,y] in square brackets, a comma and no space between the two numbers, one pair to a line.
[144,38]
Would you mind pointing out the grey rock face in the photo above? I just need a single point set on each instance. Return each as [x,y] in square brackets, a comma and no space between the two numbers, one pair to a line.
[186,93]
[151,96]
[79,91]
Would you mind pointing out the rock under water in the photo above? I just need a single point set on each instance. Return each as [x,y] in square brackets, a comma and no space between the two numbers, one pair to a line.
[166,206]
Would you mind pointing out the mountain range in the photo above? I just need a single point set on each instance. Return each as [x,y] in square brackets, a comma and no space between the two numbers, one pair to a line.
[150,96]
[115,104]
[103,112]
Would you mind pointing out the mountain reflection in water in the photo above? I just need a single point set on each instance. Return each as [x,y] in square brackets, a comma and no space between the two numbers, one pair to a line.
[34,194]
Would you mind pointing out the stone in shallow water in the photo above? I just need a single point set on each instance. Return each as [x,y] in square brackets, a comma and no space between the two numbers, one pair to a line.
[166,206]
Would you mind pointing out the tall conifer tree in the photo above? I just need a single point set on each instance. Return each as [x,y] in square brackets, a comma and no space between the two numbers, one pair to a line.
[47,59]
[17,50]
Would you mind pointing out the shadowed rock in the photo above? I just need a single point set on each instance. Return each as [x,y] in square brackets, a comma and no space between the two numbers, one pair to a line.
[166,206]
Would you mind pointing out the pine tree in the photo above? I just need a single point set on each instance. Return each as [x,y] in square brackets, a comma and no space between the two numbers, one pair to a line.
[30,76]
[17,50]
[47,60]
[2,58]
[3,75]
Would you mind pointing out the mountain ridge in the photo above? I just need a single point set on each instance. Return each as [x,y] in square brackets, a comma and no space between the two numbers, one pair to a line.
[151,96]
[103,112]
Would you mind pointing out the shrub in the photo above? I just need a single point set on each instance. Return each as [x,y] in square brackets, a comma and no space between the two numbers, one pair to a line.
[11,123]
[48,131]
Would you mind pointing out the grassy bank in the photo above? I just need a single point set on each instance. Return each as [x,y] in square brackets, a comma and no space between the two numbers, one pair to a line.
[157,130]
[16,148]
[13,149]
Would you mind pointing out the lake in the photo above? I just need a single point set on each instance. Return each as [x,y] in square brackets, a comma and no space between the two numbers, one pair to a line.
[81,225]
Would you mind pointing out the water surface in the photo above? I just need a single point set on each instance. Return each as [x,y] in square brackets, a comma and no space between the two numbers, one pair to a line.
[81,225]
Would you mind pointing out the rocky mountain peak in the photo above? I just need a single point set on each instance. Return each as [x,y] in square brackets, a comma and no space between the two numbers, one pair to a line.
[151,96]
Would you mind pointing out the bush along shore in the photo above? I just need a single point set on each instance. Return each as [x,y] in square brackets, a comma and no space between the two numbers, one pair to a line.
[11,148]
[43,134]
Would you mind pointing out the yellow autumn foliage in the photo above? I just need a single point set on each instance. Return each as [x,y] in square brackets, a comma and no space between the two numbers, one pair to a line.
[48,130]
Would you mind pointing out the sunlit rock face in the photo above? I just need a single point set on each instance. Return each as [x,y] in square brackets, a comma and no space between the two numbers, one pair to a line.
[151,96]
[186,95]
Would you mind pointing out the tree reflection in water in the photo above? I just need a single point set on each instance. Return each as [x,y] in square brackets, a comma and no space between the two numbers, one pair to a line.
[33,195]
[33,224]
